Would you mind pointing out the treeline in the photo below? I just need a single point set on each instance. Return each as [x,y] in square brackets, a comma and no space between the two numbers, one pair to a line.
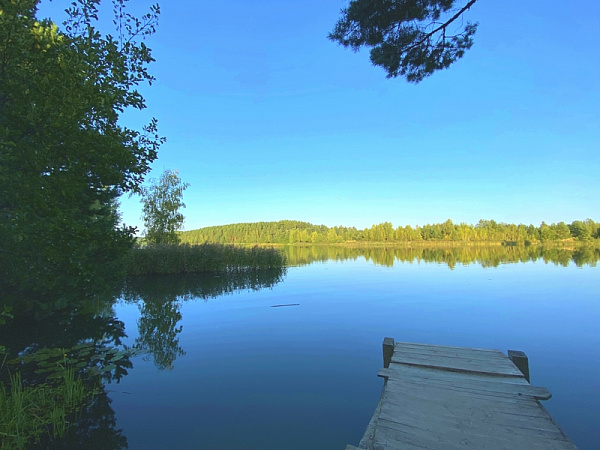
[296,232]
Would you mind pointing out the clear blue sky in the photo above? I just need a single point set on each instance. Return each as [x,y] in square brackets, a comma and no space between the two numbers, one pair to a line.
[267,119]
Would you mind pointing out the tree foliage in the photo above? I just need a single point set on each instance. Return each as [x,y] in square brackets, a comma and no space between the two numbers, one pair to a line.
[295,232]
[161,203]
[452,256]
[411,38]
[64,156]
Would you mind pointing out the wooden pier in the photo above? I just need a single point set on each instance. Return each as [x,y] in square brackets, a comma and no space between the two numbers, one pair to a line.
[438,397]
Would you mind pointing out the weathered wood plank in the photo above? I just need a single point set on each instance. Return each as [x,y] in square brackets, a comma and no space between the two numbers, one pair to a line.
[456,411]
[491,355]
[441,397]
[391,435]
[506,368]
[446,432]
[469,384]
[470,352]
[404,395]
[444,347]
[402,371]
[389,438]
[474,355]
[448,350]
[504,392]
[474,412]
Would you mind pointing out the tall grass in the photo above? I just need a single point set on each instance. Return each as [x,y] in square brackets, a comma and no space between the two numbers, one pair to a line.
[172,259]
[29,412]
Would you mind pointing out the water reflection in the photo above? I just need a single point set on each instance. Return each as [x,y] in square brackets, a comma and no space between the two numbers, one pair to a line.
[39,342]
[88,336]
[200,286]
[96,428]
[160,299]
[486,256]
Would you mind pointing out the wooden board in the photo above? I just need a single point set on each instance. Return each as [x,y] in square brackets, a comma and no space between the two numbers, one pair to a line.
[465,382]
[455,358]
[439,397]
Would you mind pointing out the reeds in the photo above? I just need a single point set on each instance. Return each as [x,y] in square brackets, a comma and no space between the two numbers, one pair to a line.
[28,412]
[172,259]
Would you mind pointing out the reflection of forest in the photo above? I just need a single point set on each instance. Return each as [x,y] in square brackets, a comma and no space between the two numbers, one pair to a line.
[491,256]
[201,285]
[38,340]
[160,297]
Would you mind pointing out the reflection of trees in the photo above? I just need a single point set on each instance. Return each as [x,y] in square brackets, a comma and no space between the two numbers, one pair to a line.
[42,338]
[83,336]
[96,428]
[158,331]
[201,285]
[586,256]
[486,256]
[160,299]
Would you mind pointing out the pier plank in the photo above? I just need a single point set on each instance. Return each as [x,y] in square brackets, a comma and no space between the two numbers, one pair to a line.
[466,383]
[442,397]
[494,366]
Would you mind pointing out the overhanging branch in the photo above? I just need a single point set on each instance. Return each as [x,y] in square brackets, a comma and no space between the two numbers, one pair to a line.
[441,27]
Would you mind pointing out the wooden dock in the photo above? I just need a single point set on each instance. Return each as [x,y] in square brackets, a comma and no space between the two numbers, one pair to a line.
[438,397]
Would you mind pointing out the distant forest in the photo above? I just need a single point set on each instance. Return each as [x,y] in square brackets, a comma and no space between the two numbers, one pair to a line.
[295,232]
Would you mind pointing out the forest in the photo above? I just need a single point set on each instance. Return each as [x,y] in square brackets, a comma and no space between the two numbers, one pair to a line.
[297,232]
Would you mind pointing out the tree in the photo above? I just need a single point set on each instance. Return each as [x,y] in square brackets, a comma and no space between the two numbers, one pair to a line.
[562,231]
[580,231]
[410,38]
[546,232]
[64,157]
[161,204]
[304,236]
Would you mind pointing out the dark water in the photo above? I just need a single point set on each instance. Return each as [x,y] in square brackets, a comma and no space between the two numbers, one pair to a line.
[218,366]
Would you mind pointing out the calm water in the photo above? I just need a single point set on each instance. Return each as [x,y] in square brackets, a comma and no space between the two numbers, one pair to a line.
[210,363]
[222,368]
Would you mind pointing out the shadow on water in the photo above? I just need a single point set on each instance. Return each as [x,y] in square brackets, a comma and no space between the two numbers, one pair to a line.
[40,342]
[199,286]
[491,256]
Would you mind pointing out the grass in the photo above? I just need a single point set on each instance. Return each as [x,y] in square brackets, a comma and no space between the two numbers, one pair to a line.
[185,258]
[29,412]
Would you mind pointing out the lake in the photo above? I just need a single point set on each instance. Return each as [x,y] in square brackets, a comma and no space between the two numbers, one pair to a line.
[289,359]
[246,374]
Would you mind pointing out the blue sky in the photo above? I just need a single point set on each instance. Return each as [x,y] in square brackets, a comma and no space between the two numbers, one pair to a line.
[268,120]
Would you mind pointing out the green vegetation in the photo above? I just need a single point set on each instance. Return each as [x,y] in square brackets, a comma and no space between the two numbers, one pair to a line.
[171,259]
[27,413]
[64,157]
[162,201]
[452,256]
[485,231]
[51,377]
[412,39]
